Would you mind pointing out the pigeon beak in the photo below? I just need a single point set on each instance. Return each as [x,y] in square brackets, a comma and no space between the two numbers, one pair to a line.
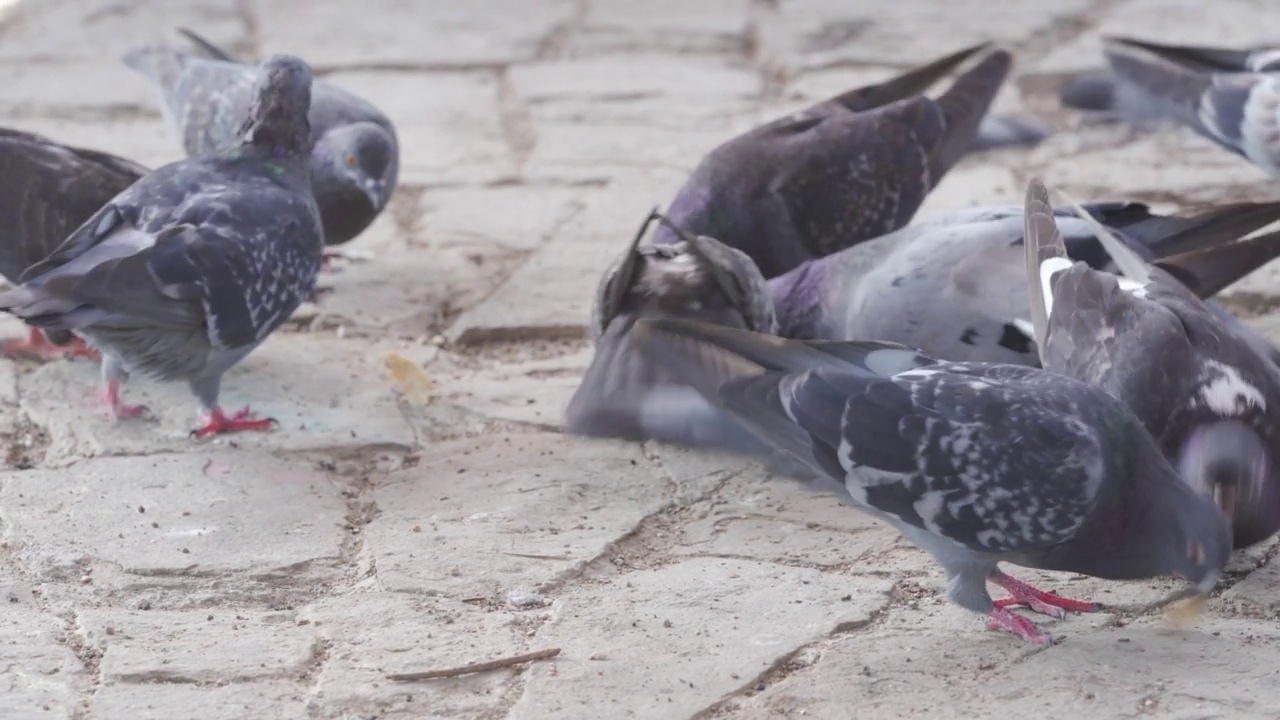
[1224,496]
[373,189]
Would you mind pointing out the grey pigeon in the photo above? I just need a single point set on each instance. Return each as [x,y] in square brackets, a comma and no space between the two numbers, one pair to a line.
[845,170]
[953,287]
[355,157]
[189,269]
[975,463]
[47,190]
[1009,130]
[1229,96]
[1208,397]
[625,396]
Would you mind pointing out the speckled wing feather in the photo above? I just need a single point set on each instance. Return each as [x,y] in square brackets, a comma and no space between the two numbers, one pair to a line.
[47,190]
[928,444]
[216,248]
[961,453]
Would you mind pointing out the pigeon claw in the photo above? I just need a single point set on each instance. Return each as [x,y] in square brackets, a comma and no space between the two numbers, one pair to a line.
[37,346]
[1001,618]
[1045,603]
[218,422]
[116,409]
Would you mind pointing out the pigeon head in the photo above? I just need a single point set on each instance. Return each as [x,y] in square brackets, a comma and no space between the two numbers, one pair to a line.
[277,120]
[696,277]
[1187,534]
[1202,548]
[354,171]
[1227,461]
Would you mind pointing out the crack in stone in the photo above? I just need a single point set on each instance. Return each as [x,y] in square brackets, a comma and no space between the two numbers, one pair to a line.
[515,121]
[249,19]
[558,39]
[787,664]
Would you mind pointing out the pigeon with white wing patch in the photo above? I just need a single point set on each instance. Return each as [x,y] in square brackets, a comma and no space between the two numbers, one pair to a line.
[1204,392]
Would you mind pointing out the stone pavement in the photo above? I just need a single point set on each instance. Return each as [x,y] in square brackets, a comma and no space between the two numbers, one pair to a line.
[283,575]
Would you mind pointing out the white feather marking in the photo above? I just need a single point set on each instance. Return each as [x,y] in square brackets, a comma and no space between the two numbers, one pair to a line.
[1025,327]
[929,507]
[1048,269]
[1227,393]
[1135,289]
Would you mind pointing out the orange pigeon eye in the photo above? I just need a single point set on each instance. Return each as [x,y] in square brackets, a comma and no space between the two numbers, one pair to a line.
[351,160]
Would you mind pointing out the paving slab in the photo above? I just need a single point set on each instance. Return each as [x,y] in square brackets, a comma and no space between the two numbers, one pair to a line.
[216,513]
[64,30]
[484,516]
[392,32]
[228,646]
[622,26]
[371,635]
[39,674]
[818,33]
[452,122]
[897,670]
[166,701]
[660,643]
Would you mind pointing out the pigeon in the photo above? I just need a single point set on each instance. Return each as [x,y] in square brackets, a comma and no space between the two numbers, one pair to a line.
[850,168]
[189,269]
[1203,392]
[355,158]
[976,463]
[624,396]
[953,287]
[1231,97]
[1009,130]
[48,190]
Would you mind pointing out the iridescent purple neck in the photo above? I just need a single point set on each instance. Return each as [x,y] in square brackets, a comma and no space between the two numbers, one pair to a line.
[689,211]
[798,299]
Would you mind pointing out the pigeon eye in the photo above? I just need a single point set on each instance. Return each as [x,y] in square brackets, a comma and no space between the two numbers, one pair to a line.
[351,160]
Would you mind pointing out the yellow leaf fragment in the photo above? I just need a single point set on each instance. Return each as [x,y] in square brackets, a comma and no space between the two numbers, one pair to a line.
[409,379]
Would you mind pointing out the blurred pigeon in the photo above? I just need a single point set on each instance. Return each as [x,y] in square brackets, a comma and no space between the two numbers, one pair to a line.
[1229,96]
[1006,130]
[976,463]
[953,287]
[845,170]
[1210,400]
[188,270]
[623,395]
[355,159]
[47,190]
